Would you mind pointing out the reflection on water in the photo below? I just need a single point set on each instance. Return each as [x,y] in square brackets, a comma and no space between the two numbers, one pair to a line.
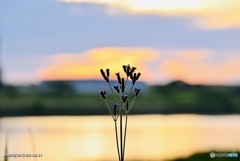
[150,137]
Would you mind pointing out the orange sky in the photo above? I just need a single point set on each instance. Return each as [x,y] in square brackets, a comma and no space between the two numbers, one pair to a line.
[87,65]
[192,66]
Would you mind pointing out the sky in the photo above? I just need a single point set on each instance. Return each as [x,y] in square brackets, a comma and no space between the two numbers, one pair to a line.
[196,41]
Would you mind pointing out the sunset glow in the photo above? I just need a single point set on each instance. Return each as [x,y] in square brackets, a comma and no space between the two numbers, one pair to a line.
[191,66]
[87,65]
[203,73]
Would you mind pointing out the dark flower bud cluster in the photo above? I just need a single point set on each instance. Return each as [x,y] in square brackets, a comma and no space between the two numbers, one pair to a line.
[135,77]
[106,77]
[121,82]
[137,91]
[128,70]
[116,88]
[126,98]
[103,93]
[130,73]
[121,105]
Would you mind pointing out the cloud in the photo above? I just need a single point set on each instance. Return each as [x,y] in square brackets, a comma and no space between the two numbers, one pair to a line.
[208,14]
[86,65]
[191,66]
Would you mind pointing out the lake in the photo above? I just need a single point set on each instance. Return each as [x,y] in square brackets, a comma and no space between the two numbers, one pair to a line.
[150,137]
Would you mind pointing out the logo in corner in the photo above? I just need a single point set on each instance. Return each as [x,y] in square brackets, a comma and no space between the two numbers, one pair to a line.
[212,155]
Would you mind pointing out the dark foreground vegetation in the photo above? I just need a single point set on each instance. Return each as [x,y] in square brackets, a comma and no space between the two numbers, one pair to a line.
[177,97]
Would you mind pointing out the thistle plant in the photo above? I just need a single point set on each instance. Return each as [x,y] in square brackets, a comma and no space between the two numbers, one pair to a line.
[119,103]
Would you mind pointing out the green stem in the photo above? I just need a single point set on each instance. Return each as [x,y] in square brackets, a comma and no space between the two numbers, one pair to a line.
[112,91]
[130,107]
[121,139]
[125,133]
[117,140]
[109,109]
[131,91]
[126,82]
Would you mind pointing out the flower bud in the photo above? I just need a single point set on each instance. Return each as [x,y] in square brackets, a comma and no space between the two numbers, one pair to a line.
[132,70]
[125,68]
[103,93]
[138,75]
[134,79]
[118,78]
[102,72]
[123,85]
[128,70]
[104,75]
[116,88]
[137,91]
[108,72]
[124,98]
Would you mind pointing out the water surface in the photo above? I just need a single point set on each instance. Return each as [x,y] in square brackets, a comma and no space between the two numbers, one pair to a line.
[150,137]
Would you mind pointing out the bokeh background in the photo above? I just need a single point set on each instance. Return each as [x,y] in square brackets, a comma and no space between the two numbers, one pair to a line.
[188,52]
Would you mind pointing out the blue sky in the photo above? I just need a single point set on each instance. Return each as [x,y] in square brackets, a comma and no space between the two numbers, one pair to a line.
[34,33]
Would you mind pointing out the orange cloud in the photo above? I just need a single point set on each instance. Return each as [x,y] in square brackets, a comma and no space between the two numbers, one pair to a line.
[203,73]
[86,65]
[209,14]
[192,66]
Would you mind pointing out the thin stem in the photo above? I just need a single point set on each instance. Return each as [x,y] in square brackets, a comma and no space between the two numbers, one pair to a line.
[109,100]
[124,104]
[125,134]
[112,91]
[121,139]
[109,109]
[131,90]
[126,82]
[132,104]
[117,140]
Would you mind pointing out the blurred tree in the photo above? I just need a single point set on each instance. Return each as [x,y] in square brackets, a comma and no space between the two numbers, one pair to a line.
[9,91]
[60,88]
